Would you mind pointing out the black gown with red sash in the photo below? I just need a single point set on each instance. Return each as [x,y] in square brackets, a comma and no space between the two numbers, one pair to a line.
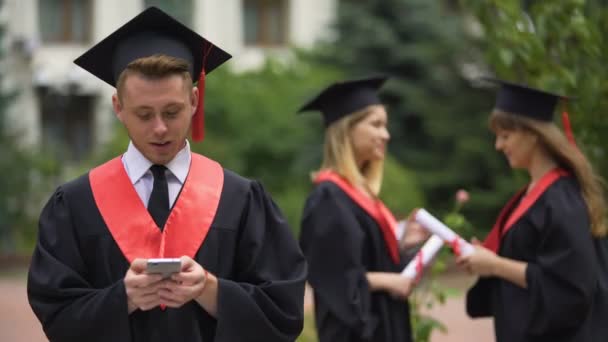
[345,234]
[93,227]
[567,275]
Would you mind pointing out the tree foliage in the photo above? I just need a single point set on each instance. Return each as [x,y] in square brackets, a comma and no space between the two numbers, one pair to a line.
[25,180]
[559,46]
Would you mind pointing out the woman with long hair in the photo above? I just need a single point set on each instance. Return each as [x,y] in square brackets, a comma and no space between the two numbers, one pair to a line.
[347,234]
[543,267]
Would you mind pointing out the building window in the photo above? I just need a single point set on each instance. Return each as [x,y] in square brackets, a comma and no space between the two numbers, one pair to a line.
[67,124]
[65,21]
[265,22]
[179,9]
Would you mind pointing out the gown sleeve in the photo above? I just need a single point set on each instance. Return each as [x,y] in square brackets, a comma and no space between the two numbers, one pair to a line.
[600,303]
[68,306]
[563,279]
[265,298]
[333,243]
[479,298]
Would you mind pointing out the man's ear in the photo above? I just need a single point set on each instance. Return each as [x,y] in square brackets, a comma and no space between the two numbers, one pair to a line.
[117,106]
[194,99]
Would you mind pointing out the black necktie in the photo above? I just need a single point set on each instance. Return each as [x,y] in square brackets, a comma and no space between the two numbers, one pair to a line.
[158,205]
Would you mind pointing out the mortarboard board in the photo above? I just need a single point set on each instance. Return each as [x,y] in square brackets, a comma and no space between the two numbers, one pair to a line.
[533,103]
[522,100]
[154,32]
[343,98]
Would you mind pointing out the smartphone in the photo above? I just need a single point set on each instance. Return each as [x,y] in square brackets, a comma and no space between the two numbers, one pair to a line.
[164,266]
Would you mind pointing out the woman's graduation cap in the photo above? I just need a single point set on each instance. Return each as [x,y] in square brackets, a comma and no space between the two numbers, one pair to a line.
[149,33]
[346,97]
[533,103]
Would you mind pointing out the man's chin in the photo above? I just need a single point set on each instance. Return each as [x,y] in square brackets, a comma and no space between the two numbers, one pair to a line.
[160,159]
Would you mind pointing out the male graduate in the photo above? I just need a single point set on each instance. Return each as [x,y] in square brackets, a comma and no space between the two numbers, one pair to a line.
[242,273]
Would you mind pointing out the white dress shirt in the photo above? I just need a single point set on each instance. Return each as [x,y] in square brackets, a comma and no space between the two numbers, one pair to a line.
[138,169]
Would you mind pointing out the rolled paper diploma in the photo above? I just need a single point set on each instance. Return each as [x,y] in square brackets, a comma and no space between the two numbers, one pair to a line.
[424,256]
[433,225]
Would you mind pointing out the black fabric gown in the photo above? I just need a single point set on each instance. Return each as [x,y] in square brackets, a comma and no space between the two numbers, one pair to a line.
[567,275]
[76,288]
[341,243]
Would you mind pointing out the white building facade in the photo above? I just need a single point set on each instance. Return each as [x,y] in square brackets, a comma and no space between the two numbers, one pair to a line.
[60,104]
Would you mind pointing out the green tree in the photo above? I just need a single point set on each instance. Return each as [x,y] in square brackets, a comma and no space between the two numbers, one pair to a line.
[6,236]
[24,180]
[559,46]
[438,120]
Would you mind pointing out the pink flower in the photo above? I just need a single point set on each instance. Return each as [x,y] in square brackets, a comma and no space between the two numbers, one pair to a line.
[462,196]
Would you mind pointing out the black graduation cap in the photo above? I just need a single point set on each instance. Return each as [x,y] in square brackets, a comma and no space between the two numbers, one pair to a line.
[522,100]
[154,32]
[150,32]
[345,97]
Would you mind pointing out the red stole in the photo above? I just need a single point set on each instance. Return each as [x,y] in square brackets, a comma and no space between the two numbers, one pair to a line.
[374,208]
[510,213]
[133,228]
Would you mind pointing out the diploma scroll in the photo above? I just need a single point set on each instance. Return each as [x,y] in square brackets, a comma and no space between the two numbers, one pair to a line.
[424,256]
[433,225]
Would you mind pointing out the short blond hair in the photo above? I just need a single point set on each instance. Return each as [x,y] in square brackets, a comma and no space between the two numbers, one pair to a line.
[338,154]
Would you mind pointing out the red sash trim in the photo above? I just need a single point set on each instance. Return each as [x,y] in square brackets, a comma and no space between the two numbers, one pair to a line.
[511,214]
[133,228]
[374,208]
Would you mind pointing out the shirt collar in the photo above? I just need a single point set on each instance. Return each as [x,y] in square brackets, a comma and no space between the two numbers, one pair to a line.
[180,165]
[137,165]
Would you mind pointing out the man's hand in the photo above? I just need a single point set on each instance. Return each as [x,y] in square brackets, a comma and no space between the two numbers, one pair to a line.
[184,286]
[142,288]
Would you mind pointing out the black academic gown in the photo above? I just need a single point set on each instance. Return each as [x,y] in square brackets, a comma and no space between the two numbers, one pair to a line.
[76,288]
[567,295]
[341,243]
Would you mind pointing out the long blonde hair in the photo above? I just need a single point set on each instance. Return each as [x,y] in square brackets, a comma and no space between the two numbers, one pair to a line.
[567,156]
[339,156]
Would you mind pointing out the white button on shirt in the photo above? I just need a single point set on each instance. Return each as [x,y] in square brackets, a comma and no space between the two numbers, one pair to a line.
[138,169]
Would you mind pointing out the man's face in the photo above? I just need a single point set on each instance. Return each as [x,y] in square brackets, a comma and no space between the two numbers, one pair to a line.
[157,114]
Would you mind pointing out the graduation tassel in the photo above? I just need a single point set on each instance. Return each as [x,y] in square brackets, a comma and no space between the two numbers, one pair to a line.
[568,127]
[198,119]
